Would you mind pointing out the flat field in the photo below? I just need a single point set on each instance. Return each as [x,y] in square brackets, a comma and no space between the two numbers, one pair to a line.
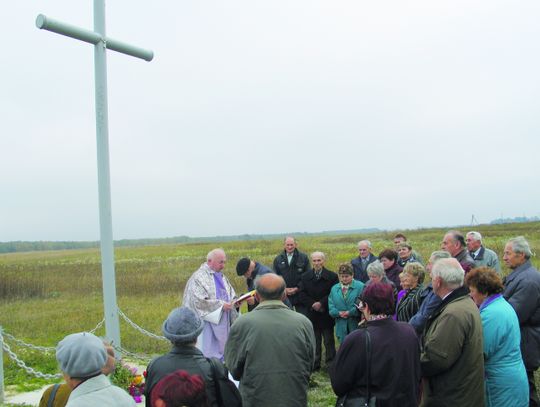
[47,295]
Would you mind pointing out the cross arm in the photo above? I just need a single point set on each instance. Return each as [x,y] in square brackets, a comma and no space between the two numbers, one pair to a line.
[46,23]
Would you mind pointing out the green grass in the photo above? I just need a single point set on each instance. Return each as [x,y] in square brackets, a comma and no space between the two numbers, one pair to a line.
[47,295]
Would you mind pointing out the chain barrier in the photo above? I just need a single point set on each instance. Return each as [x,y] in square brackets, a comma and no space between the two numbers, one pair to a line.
[99,325]
[28,369]
[29,345]
[138,328]
[138,356]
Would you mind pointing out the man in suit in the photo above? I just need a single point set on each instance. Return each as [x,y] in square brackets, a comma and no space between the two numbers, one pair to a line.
[316,285]
[360,263]
[291,264]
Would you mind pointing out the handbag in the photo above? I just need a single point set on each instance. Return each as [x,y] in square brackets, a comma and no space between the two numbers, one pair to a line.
[361,401]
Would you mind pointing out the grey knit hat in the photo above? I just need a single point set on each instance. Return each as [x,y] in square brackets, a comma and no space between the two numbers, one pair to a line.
[182,326]
[81,355]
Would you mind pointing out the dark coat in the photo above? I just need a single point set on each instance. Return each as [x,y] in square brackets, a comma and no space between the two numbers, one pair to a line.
[429,303]
[522,291]
[465,260]
[312,291]
[187,358]
[452,357]
[291,273]
[360,269]
[259,270]
[409,304]
[393,274]
[395,364]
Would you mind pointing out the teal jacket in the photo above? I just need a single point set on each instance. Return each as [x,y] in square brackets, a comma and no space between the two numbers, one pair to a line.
[337,303]
[505,375]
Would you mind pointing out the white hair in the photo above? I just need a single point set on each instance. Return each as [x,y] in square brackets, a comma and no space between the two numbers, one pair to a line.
[212,253]
[376,268]
[321,254]
[438,255]
[367,242]
[520,245]
[475,235]
[450,272]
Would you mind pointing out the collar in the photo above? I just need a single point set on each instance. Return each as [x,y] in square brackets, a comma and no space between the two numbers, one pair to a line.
[185,350]
[518,270]
[91,385]
[270,304]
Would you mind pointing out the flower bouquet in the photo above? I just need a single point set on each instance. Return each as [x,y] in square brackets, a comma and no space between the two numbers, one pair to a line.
[127,377]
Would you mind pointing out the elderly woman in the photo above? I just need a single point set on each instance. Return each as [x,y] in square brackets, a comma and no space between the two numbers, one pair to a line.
[389,260]
[377,274]
[505,375]
[372,359]
[406,254]
[413,274]
[341,301]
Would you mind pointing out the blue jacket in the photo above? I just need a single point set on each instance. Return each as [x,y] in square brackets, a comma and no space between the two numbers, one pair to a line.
[505,375]
[430,302]
[337,303]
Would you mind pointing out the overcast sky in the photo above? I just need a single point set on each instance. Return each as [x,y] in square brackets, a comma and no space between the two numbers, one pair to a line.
[272,116]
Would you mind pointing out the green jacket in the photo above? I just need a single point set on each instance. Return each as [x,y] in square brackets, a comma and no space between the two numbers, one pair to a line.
[271,351]
[452,358]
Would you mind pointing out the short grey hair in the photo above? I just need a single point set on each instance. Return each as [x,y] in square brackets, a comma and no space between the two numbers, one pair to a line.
[212,253]
[450,272]
[475,235]
[318,254]
[376,268]
[520,245]
[438,255]
[366,242]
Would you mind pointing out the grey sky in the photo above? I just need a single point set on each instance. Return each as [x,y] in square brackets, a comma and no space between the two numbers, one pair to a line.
[274,116]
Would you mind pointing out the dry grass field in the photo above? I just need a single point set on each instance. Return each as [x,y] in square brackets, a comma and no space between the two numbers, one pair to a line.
[46,295]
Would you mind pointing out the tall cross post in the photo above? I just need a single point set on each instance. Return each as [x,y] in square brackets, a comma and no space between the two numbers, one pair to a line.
[101,44]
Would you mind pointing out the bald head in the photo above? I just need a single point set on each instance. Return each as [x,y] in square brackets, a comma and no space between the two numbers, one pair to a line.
[270,286]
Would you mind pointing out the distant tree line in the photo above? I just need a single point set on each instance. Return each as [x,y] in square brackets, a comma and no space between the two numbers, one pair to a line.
[21,246]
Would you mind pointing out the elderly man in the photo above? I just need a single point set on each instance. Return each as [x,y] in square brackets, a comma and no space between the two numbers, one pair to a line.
[316,287]
[364,259]
[291,264]
[81,357]
[522,291]
[429,300]
[480,254]
[271,350]
[452,358]
[250,270]
[209,293]
[454,243]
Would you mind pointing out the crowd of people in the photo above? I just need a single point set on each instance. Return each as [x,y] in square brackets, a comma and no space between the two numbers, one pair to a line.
[467,337]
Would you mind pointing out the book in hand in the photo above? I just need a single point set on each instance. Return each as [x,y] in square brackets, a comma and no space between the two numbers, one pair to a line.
[244,297]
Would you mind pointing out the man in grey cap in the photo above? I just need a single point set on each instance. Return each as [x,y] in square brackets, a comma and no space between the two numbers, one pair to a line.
[81,357]
[182,327]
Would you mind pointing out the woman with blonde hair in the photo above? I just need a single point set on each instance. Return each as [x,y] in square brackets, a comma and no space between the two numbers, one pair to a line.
[408,306]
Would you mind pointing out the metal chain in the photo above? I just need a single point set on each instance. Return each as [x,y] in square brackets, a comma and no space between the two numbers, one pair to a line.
[138,328]
[99,325]
[43,348]
[138,356]
[28,369]
[29,345]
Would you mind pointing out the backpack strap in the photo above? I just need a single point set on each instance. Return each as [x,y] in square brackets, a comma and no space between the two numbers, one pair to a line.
[52,395]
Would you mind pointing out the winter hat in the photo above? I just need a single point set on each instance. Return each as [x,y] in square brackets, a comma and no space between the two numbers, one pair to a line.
[81,355]
[182,326]
[242,266]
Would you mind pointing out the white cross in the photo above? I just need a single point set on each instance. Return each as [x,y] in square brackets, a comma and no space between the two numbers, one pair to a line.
[101,43]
